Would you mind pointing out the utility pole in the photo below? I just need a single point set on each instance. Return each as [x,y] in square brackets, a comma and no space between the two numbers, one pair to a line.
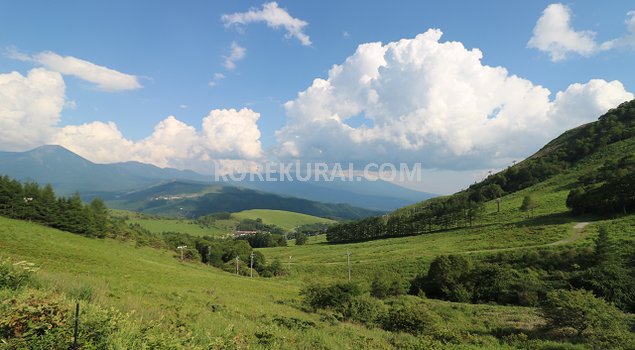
[237,258]
[251,268]
[289,264]
[181,247]
[348,259]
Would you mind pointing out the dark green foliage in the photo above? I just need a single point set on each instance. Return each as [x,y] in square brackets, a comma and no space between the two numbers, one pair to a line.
[387,284]
[610,190]
[410,317]
[448,279]
[258,225]
[366,310]
[301,238]
[337,296]
[610,276]
[436,214]
[33,203]
[592,318]
[293,323]
[210,219]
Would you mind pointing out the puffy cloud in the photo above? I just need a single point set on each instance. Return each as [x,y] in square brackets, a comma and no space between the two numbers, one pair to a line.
[553,34]
[582,103]
[225,134]
[435,102]
[97,141]
[30,107]
[232,134]
[274,17]
[105,78]
[237,53]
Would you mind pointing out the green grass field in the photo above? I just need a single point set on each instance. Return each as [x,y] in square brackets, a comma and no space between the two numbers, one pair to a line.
[221,228]
[284,219]
[150,284]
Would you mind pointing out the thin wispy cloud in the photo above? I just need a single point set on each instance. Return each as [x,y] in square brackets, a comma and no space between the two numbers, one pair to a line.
[216,79]
[275,17]
[236,53]
[105,78]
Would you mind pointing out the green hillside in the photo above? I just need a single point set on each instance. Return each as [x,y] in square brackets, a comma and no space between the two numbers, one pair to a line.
[219,228]
[285,219]
[192,200]
[200,307]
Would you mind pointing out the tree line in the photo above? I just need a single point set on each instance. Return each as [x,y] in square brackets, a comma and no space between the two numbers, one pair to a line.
[40,204]
[30,201]
[433,215]
[608,190]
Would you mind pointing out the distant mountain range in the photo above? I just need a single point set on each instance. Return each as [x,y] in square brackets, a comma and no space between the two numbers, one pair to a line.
[70,173]
[190,199]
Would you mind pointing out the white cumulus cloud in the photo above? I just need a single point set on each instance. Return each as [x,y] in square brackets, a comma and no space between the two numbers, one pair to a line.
[435,102]
[274,17]
[30,113]
[30,107]
[553,34]
[105,78]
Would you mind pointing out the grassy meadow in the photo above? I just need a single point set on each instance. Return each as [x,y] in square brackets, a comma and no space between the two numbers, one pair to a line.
[154,286]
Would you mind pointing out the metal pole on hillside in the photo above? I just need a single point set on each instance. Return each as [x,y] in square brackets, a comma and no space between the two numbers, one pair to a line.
[289,264]
[251,267]
[237,265]
[348,259]
[181,247]
[76,326]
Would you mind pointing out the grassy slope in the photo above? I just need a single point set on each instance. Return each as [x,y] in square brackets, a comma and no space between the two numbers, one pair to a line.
[285,219]
[153,285]
[509,228]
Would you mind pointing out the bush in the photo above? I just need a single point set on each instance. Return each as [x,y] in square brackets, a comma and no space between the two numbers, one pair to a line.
[301,238]
[387,284]
[448,279]
[337,296]
[595,320]
[15,275]
[410,317]
[35,319]
[366,310]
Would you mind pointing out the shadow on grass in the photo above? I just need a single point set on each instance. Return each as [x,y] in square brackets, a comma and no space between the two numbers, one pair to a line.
[420,233]
[554,219]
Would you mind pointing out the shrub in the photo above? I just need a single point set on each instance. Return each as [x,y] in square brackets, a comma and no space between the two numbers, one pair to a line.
[34,319]
[366,310]
[15,275]
[448,278]
[337,296]
[599,322]
[410,317]
[387,284]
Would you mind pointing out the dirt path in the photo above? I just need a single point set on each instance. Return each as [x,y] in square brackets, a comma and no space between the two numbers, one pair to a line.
[578,232]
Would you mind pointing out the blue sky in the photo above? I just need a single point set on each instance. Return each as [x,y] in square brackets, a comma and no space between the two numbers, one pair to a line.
[173,50]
